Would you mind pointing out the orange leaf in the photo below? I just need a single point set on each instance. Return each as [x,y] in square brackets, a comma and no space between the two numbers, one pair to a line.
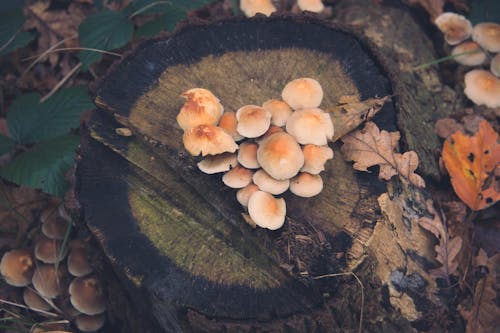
[470,161]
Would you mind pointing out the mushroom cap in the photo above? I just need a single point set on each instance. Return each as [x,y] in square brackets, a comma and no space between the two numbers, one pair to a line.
[49,250]
[268,184]
[87,296]
[280,111]
[48,282]
[310,126]
[218,163]
[482,87]
[456,28]
[78,263]
[495,65]
[35,301]
[247,155]
[280,156]
[267,211]
[201,108]
[86,323]
[208,140]
[253,121]
[17,267]
[487,34]
[474,56]
[302,93]
[315,158]
[252,7]
[306,185]
[228,123]
[315,6]
[272,129]
[243,195]
[55,226]
[237,177]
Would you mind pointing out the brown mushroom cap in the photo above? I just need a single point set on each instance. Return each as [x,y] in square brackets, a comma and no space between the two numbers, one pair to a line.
[208,140]
[280,111]
[310,126]
[456,28]
[315,158]
[482,87]
[267,211]
[201,108]
[315,6]
[280,156]
[50,251]
[218,163]
[35,301]
[473,56]
[268,184]
[487,35]
[47,282]
[87,295]
[495,65]
[86,323]
[306,185]
[302,93]
[253,121]
[243,195]
[228,123]
[17,267]
[78,263]
[55,226]
[247,155]
[237,177]
[252,7]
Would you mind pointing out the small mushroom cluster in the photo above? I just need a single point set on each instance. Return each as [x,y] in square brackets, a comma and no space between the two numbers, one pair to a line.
[68,287]
[282,145]
[252,7]
[479,46]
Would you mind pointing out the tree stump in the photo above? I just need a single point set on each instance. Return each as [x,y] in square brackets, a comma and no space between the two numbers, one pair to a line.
[176,237]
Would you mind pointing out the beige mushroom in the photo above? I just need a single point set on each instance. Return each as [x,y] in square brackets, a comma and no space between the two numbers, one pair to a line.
[87,296]
[302,93]
[487,35]
[306,185]
[35,301]
[280,156]
[310,126]
[253,121]
[50,251]
[48,282]
[268,184]
[208,140]
[456,28]
[243,195]
[228,123]
[16,267]
[483,88]
[247,155]
[267,211]
[315,158]
[55,227]
[78,263]
[315,6]
[252,7]
[86,323]
[201,108]
[272,129]
[469,54]
[218,163]
[237,177]
[280,111]
[495,65]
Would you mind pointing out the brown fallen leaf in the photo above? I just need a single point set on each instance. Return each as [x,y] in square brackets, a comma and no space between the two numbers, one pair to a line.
[471,161]
[370,146]
[448,248]
[447,126]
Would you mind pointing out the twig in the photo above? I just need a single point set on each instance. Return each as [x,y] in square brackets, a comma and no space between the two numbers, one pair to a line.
[46,52]
[437,61]
[11,39]
[27,308]
[143,9]
[77,49]
[61,83]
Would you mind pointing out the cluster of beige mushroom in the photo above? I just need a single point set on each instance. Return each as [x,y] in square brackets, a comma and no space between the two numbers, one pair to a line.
[52,283]
[479,46]
[252,7]
[282,145]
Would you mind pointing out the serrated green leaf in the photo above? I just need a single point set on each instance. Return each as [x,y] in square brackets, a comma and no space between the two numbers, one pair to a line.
[6,144]
[11,35]
[106,30]
[484,11]
[30,121]
[151,28]
[44,166]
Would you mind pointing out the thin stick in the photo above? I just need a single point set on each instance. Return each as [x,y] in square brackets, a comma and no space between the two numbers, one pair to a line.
[78,49]
[46,52]
[437,61]
[362,292]
[8,42]
[61,83]
[28,308]
[143,9]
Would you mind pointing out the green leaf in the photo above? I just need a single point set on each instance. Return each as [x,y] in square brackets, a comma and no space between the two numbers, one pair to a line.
[235,6]
[11,35]
[6,144]
[484,11]
[106,30]
[30,121]
[151,28]
[44,166]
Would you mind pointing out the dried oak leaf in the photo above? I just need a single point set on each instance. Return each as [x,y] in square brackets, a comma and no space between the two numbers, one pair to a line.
[448,248]
[370,146]
[471,162]
[484,315]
